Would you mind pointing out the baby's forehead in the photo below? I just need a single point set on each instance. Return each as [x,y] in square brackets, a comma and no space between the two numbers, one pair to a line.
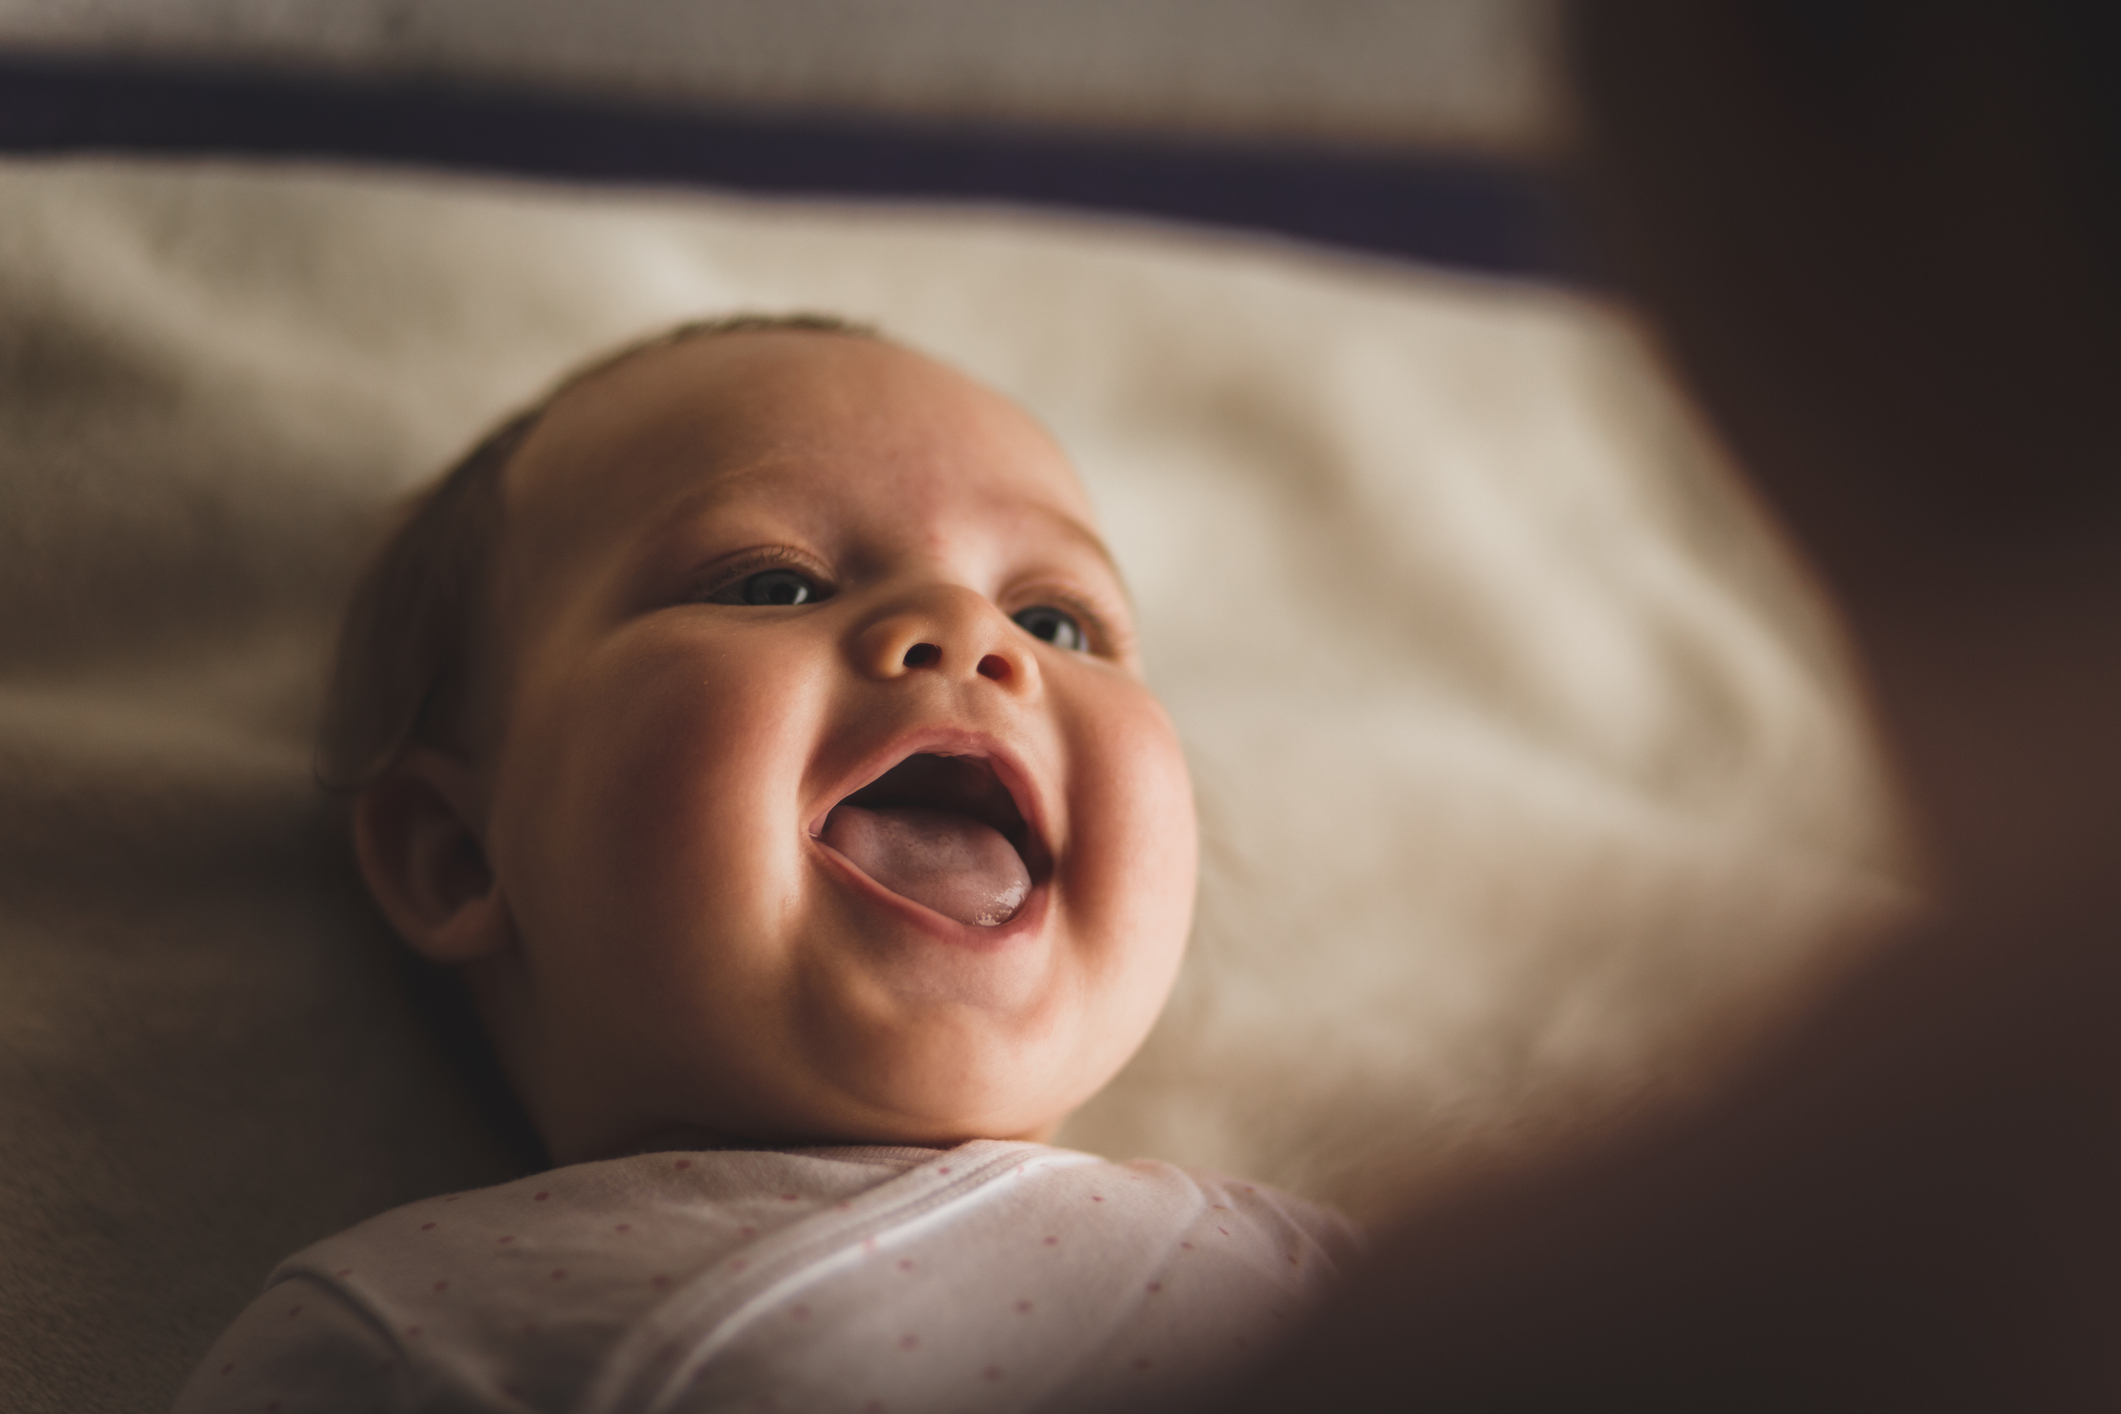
[807,417]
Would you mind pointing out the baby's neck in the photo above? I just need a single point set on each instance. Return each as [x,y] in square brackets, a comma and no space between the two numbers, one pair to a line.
[693,1139]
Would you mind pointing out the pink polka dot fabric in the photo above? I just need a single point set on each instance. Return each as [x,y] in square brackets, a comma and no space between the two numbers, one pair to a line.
[993,1276]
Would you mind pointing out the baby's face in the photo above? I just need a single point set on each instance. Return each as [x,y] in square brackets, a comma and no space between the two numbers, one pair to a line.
[811,817]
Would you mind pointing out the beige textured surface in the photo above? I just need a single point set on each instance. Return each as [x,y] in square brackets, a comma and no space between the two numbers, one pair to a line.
[1529,769]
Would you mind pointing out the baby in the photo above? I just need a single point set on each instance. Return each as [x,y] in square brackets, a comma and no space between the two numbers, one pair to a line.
[756,726]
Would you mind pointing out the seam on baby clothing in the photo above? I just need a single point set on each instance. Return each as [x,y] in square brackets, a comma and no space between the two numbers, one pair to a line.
[417,1376]
[913,1155]
[656,1362]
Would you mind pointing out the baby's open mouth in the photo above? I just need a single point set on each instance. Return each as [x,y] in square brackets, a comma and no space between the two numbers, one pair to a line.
[942,831]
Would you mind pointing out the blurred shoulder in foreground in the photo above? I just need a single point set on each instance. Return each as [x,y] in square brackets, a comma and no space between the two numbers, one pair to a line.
[1884,242]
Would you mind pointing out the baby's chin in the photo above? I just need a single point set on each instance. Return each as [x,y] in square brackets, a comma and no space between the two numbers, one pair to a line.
[951,1089]
[932,1078]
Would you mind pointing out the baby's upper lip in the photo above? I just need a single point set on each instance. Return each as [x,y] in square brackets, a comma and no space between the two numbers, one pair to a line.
[1020,816]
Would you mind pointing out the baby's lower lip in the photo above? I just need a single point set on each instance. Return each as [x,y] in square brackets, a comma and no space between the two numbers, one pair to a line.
[1028,920]
[960,867]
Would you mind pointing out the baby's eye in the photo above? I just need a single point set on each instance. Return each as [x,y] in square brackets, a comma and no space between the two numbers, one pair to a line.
[777,587]
[1055,626]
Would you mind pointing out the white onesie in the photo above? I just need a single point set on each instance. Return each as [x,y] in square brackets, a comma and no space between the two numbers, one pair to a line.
[993,1276]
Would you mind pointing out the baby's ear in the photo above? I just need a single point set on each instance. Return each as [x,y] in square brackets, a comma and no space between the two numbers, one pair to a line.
[419,848]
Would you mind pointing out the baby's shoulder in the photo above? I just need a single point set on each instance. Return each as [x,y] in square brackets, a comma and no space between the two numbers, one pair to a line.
[1218,1206]
[610,1234]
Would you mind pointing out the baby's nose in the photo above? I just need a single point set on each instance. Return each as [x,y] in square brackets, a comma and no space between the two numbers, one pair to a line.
[949,630]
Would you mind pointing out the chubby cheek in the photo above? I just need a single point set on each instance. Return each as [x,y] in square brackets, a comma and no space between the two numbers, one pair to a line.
[654,787]
[1126,890]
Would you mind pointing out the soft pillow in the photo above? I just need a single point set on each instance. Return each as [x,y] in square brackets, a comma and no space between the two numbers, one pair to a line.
[1531,767]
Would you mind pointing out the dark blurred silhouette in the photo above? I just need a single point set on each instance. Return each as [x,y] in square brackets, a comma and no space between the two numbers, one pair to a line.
[1882,242]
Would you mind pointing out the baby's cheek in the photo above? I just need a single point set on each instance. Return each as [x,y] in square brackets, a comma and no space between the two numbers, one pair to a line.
[1135,839]
[668,794]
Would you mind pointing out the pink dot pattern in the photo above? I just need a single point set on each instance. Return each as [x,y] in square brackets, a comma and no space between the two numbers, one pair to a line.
[438,1329]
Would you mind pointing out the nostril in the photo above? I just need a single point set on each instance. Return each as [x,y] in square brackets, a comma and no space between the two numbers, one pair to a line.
[920,655]
[995,666]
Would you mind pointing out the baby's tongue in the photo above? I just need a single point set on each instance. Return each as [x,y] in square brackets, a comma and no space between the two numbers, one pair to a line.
[954,864]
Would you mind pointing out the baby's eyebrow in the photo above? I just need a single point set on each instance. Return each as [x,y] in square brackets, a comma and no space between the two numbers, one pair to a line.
[732,485]
[670,520]
[1075,530]
[727,486]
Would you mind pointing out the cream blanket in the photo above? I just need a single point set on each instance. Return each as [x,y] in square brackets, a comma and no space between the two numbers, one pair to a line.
[1531,770]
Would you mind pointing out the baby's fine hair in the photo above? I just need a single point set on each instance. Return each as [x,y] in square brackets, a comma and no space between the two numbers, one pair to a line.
[399,676]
